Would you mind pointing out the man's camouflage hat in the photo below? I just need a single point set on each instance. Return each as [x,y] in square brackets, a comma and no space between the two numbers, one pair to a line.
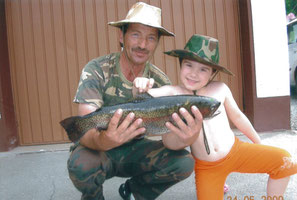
[203,49]
[145,14]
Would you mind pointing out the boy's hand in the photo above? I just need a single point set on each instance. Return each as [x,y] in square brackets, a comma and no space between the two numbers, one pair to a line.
[142,85]
[186,133]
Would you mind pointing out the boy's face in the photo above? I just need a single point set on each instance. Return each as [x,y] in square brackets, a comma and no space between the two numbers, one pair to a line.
[194,75]
[140,42]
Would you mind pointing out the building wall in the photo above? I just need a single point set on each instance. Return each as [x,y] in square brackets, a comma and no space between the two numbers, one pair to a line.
[51,41]
[8,125]
[271,49]
[271,112]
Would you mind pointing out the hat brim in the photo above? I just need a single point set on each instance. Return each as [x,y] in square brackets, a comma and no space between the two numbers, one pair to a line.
[123,22]
[183,53]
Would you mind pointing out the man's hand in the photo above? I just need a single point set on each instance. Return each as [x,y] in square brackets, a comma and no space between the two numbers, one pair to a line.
[115,135]
[184,134]
[118,134]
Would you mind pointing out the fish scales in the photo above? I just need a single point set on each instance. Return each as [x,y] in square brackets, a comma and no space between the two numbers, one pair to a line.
[155,112]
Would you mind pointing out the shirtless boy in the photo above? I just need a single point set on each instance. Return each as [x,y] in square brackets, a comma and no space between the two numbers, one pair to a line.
[199,64]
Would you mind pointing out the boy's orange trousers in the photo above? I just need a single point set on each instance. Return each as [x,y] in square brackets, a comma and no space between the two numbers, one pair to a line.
[244,157]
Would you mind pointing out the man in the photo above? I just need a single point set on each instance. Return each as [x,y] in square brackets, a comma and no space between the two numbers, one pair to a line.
[121,150]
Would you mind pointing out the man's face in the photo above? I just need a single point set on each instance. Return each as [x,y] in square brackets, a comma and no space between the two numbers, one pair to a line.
[140,42]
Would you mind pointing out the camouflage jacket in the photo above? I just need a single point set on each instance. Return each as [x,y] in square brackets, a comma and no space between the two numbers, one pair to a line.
[102,81]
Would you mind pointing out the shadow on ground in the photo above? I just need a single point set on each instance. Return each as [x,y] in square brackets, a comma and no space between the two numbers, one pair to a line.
[40,173]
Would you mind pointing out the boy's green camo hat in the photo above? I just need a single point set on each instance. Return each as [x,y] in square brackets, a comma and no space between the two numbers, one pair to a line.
[203,49]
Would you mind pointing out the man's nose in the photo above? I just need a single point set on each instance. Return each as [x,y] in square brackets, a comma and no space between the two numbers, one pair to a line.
[142,43]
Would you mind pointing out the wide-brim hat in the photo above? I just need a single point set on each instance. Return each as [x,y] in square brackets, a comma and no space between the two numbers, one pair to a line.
[145,14]
[203,49]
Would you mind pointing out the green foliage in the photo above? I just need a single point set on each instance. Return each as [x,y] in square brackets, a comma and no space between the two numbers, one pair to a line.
[291,7]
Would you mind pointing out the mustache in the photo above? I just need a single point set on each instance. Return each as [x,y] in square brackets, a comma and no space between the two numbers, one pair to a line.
[138,49]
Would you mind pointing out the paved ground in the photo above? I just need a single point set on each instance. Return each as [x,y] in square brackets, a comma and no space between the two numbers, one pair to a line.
[39,173]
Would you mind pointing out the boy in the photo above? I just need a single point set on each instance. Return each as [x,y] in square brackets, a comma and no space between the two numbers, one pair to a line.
[225,153]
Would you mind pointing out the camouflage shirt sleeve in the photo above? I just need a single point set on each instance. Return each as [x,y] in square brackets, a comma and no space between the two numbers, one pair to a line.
[101,82]
[92,81]
[160,77]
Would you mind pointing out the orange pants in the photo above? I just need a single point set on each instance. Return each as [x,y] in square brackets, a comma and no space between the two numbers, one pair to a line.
[244,157]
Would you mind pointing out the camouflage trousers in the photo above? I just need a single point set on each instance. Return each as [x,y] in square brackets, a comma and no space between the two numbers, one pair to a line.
[152,168]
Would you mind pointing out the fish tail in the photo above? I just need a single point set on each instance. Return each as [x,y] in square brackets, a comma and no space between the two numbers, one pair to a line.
[71,127]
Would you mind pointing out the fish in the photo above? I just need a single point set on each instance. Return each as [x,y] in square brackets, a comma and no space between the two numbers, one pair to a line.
[154,111]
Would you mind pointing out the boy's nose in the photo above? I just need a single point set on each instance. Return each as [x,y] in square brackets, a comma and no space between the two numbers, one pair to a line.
[195,72]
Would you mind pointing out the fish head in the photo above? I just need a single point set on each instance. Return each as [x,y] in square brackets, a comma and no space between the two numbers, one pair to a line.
[206,105]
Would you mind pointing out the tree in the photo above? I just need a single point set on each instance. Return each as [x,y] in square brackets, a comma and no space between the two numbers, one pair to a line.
[291,7]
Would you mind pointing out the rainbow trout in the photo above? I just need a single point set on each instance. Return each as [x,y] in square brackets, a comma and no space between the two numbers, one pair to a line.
[155,112]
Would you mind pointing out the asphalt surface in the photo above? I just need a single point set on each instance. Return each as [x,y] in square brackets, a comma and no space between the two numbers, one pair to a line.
[39,173]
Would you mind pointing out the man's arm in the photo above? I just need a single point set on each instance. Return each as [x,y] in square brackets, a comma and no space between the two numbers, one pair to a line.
[115,135]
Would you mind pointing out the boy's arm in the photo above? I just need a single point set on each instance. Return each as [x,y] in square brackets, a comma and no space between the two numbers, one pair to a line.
[182,135]
[142,85]
[239,119]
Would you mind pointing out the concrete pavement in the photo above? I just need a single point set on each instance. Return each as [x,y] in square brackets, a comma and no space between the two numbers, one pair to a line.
[39,173]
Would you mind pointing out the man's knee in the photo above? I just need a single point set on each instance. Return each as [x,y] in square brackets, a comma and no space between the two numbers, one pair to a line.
[186,166]
[183,166]
[87,167]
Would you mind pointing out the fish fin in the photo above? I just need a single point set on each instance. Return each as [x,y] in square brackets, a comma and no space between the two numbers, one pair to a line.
[69,124]
[214,115]
[141,97]
[205,140]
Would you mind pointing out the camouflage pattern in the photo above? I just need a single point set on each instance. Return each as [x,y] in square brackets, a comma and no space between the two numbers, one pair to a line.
[139,159]
[153,167]
[101,81]
[203,49]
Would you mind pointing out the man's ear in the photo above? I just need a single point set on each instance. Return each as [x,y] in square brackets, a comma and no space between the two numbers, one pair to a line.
[121,36]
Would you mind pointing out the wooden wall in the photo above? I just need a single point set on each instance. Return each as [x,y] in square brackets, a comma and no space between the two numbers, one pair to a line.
[50,41]
[8,123]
